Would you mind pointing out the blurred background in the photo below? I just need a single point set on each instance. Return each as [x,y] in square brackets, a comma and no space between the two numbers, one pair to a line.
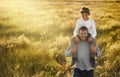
[34,35]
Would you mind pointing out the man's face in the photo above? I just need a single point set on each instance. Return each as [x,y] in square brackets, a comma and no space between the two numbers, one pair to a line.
[85,16]
[83,34]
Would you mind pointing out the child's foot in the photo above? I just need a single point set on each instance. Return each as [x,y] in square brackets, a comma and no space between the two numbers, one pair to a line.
[74,59]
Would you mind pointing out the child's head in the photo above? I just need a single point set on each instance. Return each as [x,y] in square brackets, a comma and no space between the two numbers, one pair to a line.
[85,13]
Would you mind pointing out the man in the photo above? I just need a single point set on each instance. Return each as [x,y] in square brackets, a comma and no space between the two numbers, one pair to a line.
[82,67]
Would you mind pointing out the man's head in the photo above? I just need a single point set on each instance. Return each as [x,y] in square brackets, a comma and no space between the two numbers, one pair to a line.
[85,13]
[83,33]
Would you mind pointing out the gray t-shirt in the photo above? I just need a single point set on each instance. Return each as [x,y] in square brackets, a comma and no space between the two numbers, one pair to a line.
[83,55]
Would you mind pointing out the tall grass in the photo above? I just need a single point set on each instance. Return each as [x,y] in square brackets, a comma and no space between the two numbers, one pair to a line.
[35,34]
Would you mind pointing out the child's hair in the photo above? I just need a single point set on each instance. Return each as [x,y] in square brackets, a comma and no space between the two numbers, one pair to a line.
[85,10]
[83,28]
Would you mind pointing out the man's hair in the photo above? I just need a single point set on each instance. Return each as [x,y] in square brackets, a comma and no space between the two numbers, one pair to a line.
[83,28]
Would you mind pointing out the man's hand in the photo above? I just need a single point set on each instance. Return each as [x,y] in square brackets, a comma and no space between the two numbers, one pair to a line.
[93,49]
[74,49]
[76,39]
[90,39]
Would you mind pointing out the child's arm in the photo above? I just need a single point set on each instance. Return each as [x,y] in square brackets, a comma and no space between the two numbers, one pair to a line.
[94,32]
[75,32]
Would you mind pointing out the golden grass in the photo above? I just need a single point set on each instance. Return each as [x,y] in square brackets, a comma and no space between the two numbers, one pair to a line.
[35,34]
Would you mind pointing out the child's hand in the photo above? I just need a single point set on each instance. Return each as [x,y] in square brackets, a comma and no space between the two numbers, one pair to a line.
[76,39]
[74,49]
[90,39]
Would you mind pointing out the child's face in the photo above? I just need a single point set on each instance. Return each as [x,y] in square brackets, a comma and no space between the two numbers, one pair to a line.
[83,34]
[85,16]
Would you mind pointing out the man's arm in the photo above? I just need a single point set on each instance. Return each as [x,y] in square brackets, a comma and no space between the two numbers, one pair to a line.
[98,53]
[68,51]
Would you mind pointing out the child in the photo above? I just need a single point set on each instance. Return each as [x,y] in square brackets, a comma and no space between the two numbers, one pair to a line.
[90,24]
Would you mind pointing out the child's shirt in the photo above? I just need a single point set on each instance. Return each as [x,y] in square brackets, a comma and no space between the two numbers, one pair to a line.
[90,24]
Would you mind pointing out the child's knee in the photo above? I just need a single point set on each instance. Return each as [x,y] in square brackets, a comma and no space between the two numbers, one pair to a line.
[76,39]
[90,39]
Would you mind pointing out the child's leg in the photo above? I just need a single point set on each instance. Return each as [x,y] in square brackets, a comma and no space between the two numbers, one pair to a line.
[93,50]
[77,39]
[92,55]
[74,58]
[92,45]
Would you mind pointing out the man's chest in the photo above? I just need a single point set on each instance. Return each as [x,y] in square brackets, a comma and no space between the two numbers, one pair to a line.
[83,48]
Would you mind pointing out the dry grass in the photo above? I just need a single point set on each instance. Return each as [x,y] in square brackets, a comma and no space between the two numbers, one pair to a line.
[35,34]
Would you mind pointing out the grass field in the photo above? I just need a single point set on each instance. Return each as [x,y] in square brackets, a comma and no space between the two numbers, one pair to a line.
[34,35]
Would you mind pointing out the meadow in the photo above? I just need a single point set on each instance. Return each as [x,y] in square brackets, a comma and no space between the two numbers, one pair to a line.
[34,35]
